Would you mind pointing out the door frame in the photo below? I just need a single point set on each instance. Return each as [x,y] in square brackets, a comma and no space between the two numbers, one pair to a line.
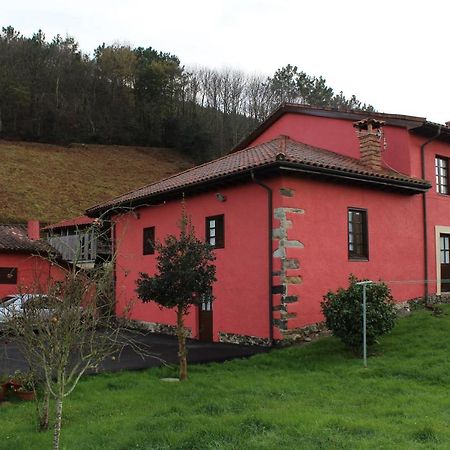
[199,315]
[439,229]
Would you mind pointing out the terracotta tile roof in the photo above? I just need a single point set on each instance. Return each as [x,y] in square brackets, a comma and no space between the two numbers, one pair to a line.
[280,151]
[14,238]
[74,222]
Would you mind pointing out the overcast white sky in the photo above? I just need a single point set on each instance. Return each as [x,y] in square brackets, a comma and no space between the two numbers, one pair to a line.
[393,54]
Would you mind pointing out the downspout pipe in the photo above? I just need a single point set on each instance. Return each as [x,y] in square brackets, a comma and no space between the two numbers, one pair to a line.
[270,227]
[424,211]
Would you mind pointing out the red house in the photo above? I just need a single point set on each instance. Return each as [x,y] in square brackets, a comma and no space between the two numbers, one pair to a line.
[309,197]
[24,262]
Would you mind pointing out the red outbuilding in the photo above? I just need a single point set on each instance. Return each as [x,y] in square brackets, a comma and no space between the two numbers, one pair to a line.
[311,196]
[25,265]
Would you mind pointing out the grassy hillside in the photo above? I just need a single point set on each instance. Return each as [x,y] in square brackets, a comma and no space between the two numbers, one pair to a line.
[317,396]
[50,183]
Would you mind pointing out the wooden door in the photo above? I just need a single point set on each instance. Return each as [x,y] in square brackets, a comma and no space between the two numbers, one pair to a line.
[205,322]
[445,262]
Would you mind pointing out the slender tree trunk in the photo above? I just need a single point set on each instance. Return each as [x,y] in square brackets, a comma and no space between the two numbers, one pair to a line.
[57,92]
[182,353]
[43,411]
[58,420]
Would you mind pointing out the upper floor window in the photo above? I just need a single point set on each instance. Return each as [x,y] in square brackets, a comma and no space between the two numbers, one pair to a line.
[149,241]
[8,275]
[358,245]
[441,175]
[215,235]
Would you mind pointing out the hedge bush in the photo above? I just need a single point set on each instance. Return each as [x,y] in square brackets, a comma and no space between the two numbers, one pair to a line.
[343,313]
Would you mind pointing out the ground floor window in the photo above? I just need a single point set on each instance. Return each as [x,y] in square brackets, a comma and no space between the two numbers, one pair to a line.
[8,275]
[444,256]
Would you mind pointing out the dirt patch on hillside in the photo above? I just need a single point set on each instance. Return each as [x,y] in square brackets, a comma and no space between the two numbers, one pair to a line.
[51,183]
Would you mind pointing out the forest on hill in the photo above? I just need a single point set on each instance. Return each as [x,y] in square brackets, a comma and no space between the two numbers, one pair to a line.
[50,91]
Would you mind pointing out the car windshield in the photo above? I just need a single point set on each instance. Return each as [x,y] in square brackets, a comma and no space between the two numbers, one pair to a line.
[6,299]
[39,301]
[10,301]
[43,301]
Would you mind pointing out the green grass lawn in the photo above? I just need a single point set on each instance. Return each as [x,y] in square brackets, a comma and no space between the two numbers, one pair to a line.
[310,397]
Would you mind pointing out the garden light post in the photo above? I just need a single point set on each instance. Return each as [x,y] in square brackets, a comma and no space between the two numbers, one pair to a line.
[364,310]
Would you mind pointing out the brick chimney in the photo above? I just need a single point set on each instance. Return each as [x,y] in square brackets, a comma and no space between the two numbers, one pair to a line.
[33,230]
[369,134]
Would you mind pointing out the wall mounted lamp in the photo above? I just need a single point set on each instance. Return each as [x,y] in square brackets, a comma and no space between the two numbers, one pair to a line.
[221,197]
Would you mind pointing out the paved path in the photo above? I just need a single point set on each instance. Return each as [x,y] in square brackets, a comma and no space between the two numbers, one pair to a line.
[163,347]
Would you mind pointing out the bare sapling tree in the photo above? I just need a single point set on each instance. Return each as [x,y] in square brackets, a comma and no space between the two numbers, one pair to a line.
[185,276]
[66,328]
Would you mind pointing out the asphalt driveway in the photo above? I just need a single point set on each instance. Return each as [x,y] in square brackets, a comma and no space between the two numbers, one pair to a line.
[163,349]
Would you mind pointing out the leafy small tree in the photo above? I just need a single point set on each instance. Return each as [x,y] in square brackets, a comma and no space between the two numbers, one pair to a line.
[343,313]
[185,277]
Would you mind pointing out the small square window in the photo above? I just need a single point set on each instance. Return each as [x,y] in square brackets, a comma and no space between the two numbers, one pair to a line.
[358,246]
[215,235]
[8,275]
[149,241]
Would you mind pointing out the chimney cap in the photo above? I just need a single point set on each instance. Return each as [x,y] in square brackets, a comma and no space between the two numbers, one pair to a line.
[369,124]
[33,230]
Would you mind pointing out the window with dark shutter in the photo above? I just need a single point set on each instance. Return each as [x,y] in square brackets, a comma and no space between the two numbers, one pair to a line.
[215,233]
[358,246]
[149,241]
[441,164]
[8,275]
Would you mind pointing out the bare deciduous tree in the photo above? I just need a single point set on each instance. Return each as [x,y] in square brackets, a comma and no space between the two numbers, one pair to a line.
[65,329]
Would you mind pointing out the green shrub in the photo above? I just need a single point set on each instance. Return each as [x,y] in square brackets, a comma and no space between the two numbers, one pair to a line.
[343,313]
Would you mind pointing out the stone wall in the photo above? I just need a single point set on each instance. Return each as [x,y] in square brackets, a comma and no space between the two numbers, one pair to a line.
[286,263]
[233,338]
[154,327]
[306,334]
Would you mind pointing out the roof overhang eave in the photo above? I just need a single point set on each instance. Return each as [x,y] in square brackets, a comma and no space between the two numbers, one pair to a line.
[428,129]
[127,205]
[23,251]
[408,187]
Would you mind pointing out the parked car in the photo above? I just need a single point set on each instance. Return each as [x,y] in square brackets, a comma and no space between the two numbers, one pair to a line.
[15,305]
[6,299]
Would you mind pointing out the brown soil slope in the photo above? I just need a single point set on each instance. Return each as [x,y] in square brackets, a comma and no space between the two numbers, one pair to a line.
[51,183]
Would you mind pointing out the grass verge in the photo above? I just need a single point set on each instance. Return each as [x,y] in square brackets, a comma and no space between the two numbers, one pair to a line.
[311,397]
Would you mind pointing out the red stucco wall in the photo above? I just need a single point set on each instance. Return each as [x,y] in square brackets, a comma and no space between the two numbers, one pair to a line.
[241,292]
[339,136]
[33,273]
[395,245]
[438,205]
[395,230]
